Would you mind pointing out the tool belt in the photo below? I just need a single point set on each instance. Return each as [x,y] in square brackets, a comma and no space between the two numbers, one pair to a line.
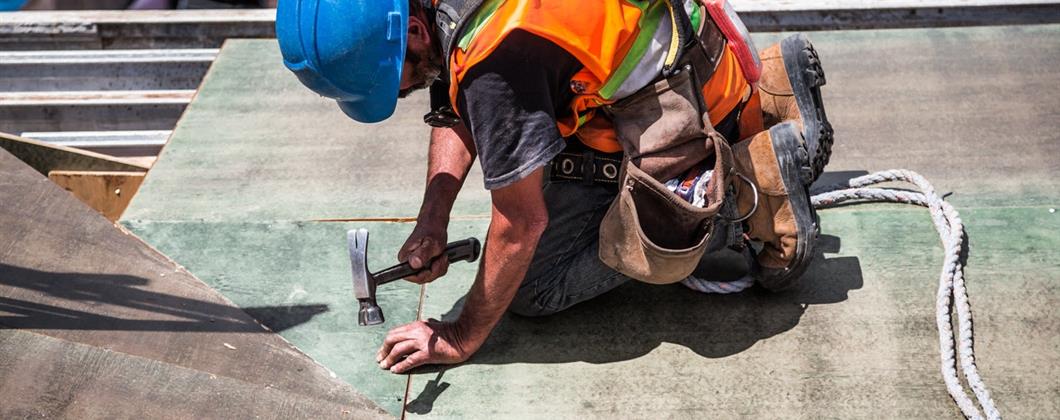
[578,163]
[649,233]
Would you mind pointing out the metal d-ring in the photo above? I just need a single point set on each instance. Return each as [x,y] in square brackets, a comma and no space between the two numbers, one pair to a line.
[753,209]
[567,166]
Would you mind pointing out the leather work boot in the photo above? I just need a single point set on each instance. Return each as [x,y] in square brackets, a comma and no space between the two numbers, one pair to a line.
[777,207]
[790,89]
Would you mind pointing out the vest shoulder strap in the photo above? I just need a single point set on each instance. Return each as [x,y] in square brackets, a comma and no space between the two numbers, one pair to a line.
[450,18]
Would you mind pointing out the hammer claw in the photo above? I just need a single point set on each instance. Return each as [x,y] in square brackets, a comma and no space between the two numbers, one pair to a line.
[363,286]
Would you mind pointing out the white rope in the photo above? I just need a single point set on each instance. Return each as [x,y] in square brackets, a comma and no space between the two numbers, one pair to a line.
[952,293]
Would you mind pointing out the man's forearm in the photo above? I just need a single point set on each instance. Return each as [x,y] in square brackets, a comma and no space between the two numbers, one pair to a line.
[449,160]
[505,261]
[518,220]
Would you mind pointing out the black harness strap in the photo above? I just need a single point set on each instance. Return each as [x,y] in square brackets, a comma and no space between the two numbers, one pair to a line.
[450,18]
[686,34]
[583,165]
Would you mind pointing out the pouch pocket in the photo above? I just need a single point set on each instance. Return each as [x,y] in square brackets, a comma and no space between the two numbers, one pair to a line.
[652,235]
[661,127]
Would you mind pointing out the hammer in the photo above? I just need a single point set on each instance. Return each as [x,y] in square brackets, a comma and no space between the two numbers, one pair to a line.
[365,282]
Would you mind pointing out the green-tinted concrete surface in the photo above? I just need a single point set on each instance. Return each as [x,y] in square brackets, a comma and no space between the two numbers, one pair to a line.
[977,111]
[306,265]
[257,158]
[254,160]
[257,145]
[858,340]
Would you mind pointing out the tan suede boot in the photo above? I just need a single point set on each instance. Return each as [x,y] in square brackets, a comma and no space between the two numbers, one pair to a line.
[777,206]
[790,89]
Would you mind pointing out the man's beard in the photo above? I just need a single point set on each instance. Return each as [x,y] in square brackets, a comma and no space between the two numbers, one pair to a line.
[426,66]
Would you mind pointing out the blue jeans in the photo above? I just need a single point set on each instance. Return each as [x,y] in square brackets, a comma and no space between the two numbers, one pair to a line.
[566,268]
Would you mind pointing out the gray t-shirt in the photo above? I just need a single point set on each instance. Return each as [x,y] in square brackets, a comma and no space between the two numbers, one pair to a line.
[510,101]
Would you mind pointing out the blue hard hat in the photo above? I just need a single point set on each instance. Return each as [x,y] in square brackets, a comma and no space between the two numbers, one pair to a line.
[349,50]
[11,5]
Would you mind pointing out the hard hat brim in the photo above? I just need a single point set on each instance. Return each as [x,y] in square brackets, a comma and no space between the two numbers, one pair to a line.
[371,110]
[352,51]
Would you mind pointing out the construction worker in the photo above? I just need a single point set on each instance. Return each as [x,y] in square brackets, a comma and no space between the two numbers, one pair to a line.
[534,89]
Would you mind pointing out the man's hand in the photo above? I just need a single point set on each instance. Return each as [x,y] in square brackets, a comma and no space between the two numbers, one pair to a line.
[449,160]
[420,343]
[517,221]
[426,243]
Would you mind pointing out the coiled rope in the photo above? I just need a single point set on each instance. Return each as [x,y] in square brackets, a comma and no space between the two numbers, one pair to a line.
[952,293]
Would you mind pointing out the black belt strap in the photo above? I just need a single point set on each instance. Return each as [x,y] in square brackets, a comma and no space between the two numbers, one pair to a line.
[588,167]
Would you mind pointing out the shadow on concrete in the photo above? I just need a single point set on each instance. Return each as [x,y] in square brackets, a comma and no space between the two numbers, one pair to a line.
[32,299]
[831,178]
[636,318]
[424,403]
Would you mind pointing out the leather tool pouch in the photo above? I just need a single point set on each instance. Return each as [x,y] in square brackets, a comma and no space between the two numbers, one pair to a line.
[649,233]
[661,127]
[652,235]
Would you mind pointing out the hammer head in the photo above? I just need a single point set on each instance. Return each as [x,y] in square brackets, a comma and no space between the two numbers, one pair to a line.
[363,280]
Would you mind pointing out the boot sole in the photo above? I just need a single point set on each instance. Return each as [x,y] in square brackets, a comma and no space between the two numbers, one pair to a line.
[793,157]
[807,76]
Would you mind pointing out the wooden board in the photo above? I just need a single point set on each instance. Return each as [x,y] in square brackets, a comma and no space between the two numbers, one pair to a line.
[46,157]
[106,192]
[69,274]
[46,377]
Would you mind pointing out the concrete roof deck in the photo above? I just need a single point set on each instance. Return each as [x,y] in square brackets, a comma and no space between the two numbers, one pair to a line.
[257,162]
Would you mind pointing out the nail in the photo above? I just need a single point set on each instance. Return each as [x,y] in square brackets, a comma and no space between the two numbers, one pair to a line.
[383,364]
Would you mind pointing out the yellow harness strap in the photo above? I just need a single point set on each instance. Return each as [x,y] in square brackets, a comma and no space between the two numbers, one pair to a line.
[675,37]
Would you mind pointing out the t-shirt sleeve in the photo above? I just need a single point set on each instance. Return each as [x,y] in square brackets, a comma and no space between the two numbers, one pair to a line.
[509,102]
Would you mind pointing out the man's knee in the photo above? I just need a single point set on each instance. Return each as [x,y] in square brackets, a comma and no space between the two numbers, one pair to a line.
[530,310]
[526,304]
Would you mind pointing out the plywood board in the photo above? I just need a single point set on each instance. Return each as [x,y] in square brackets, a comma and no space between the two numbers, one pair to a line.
[45,377]
[69,274]
[46,157]
[108,193]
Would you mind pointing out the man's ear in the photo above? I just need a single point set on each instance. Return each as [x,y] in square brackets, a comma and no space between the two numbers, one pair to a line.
[419,34]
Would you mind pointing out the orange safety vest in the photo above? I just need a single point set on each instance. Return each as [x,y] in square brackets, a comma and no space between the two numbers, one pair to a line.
[609,38]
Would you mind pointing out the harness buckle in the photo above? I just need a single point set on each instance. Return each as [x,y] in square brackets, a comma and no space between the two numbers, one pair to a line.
[588,166]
